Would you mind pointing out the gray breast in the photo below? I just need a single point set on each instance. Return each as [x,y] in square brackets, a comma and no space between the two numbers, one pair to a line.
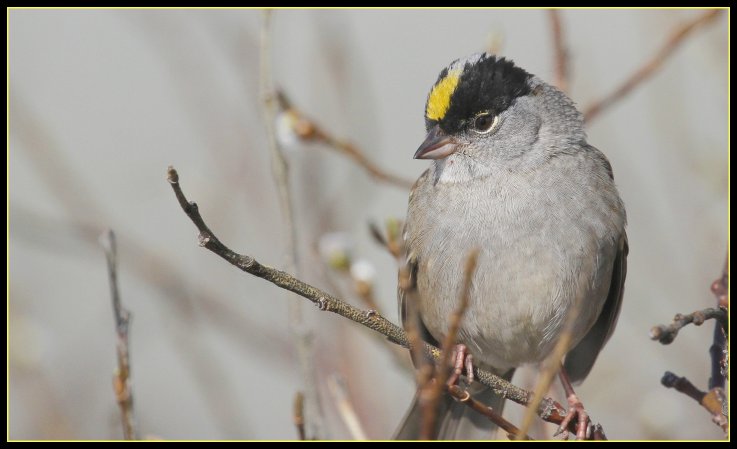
[545,243]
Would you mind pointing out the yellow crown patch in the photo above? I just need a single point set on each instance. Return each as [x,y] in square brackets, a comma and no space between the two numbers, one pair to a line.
[439,100]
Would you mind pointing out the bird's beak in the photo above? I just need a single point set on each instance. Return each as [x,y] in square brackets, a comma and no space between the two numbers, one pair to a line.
[437,145]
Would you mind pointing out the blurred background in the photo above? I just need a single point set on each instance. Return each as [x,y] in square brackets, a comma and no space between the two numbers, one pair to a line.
[101,102]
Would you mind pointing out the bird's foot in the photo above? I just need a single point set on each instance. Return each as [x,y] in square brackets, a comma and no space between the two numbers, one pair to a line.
[461,359]
[576,411]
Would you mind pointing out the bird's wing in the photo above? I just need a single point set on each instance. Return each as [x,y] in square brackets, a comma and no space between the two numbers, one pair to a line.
[406,297]
[406,307]
[581,358]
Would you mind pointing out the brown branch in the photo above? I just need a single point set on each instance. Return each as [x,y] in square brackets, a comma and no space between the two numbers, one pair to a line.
[465,397]
[309,131]
[682,385]
[548,409]
[298,411]
[430,393]
[666,334]
[121,377]
[677,36]
[365,291]
[713,401]
[559,50]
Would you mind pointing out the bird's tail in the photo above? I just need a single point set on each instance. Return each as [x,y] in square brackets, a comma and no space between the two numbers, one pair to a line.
[454,419]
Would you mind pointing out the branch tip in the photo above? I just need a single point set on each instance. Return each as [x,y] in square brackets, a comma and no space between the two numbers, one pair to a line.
[171,175]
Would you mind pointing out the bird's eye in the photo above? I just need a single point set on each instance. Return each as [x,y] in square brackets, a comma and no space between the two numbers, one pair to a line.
[483,123]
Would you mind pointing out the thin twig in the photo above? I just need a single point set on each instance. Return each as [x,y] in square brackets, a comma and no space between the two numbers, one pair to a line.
[682,385]
[495,42]
[677,36]
[666,334]
[548,409]
[713,401]
[299,415]
[79,222]
[309,131]
[465,397]
[431,392]
[280,169]
[392,242]
[365,293]
[346,410]
[559,50]
[122,375]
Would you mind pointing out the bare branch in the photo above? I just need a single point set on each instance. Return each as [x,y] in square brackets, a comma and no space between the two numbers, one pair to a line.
[548,409]
[713,401]
[682,385]
[677,36]
[309,131]
[559,50]
[121,377]
[666,334]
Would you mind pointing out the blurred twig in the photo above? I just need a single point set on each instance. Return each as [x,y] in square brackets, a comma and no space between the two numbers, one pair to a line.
[646,70]
[666,334]
[299,415]
[121,378]
[364,289]
[279,164]
[309,131]
[69,189]
[431,392]
[392,241]
[560,51]
[337,389]
[713,401]
[280,169]
[548,409]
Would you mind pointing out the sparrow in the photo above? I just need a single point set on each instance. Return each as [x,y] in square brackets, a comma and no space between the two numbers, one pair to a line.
[511,176]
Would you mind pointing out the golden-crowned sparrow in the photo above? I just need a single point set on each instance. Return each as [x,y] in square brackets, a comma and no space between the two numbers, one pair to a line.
[512,176]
